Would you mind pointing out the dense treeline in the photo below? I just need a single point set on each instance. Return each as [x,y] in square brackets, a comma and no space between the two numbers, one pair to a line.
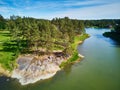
[2,22]
[104,23]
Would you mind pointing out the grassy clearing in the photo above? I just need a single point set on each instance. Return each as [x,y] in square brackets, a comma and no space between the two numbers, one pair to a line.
[4,36]
[77,39]
[75,56]
[6,56]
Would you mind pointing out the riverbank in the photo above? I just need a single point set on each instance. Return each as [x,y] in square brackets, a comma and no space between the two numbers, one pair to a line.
[32,69]
[75,56]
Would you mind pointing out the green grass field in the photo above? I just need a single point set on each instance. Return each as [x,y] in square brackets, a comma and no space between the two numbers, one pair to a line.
[6,56]
[77,39]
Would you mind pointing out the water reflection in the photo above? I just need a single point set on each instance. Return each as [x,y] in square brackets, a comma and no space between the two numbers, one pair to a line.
[67,69]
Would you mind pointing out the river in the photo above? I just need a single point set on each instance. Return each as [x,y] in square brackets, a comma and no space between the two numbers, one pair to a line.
[99,70]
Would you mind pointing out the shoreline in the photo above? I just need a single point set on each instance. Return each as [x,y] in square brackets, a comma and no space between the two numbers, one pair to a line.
[41,77]
[31,69]
[27,76]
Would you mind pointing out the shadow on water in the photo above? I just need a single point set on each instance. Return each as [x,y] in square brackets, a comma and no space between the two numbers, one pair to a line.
[116,44]
[113,42]
[67,69]
[4,81]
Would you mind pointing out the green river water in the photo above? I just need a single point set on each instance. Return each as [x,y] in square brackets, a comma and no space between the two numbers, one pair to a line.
[99,70]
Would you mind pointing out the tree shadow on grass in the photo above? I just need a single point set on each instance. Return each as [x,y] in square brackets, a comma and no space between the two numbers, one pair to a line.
[9,47]
[12,46]
[6,34]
